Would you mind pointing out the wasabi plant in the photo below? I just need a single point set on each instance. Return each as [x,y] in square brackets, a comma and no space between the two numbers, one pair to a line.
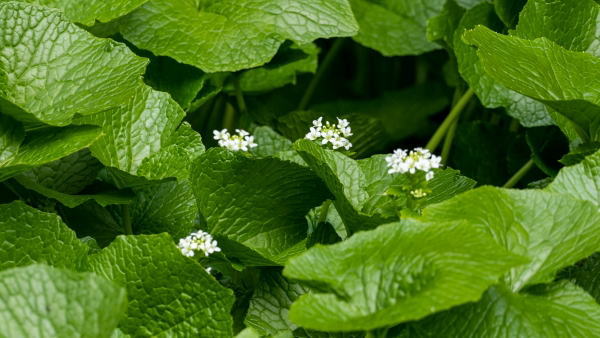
[287,131]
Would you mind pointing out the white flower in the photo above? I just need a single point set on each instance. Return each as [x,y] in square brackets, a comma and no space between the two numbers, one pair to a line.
[242,141]
[313,134]
[198,241]
[334,134]
[402,161]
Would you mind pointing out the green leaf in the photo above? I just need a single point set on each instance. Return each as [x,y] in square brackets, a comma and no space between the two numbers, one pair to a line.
[541,69]
[395,27]
[65,178]
[548,311]
[47,145]
[346,181]
[51,69]
[269,305]
[282,69]
[12,134]
[88,12]
[29,236]
[92,220]
[165,207]
[255,206]
[270,143]
[582,181]
[169,294]
[175,159]
[136,131]
[490,92]
[585,274]
[541,18]
[104,198]
[231,35]
[552,230]
[508,11]
[69,175]
[442,26]
[395,273]
[182,81]
[41,301]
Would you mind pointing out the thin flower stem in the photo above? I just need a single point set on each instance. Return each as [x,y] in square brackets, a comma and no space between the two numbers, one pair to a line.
[519,174]
[239,96]
[126,220]
[439,134]
[327,61]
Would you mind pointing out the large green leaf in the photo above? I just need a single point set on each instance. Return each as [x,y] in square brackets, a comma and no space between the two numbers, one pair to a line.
[395,273]
[586,274]
[490,92]
[548,311]
[169,294]
[269,305]
[105,197]
[136,131]
[87,12]
[165,207]
[176,158]
[41,301]
[543,18]
[46,145]
[230,35]
[581,181]
[395,27]
[552,230]
[64,178]
[282,70]
[255,206]
[50,69]
[346,181]
[69,175]
[29,236]
[565,80]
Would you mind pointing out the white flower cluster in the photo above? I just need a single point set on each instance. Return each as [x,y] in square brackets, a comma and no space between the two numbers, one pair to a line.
[242,141]
[336,134]
[418,193]
[198,241]
[421,159]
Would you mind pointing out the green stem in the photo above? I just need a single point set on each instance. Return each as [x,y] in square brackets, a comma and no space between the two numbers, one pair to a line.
[519,174]
[229,117]
[239,96]
[421,69]
[324,212]
[448,141]
[327,61]
[454,113]
[126,220]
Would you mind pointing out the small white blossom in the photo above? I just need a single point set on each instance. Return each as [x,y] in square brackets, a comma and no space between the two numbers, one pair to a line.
[198,241]
[209,269]
[335,134]
[242,141]
[402,161]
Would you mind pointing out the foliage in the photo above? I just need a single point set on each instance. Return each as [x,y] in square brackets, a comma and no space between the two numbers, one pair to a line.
[271,168]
